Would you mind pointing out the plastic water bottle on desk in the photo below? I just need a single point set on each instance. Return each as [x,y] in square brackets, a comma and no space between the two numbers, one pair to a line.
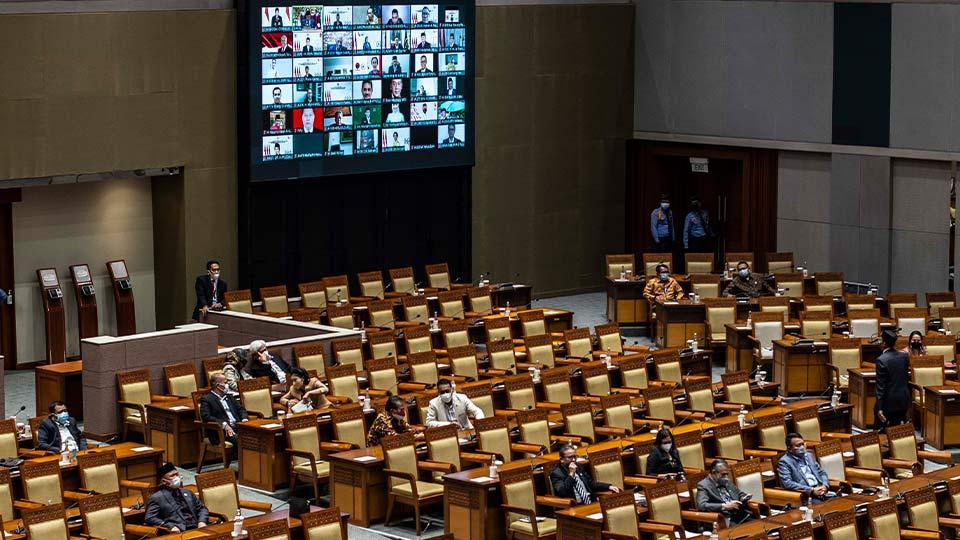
[742,417]
[835,398]
[696,344]
[507,309]
[237,524]
[714,535]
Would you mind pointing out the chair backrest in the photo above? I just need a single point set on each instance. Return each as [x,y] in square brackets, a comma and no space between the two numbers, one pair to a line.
[399,455]
[341,316]
[927,371]
[540,350]
[46,523]
[218,489]
[903,444]
[534,426]
[456,333]
[719,313]
[659,400]
[342,381]
[841,525]
[480,300]
[102,516]
[884,519]
[596,378]
[312,295]
[748,477]
[666,361]
[255,396]
[415,308]
[516,485]
[663,503]
[274,299]
[781,261]
[181,379]
[790,282]
[463,361]
[775,304]
[910,319]
[382,344]
[767,328]
[493,436]
[451,303]
[652,260]
[371,284]
[729,440]
[797,531]
[608,338]
[816,324]
[830,456]
[864,323]
[349,424]
[940,345]
[732,258]
[922,508]
[690,447]
[617,411]
[501,355]
[953,487]
[481,394]
[382,373]
[520,391]
[807,423]
[829,283]
[620,514]
[845,355]
[438,276]
[278,529]
[937,300]
[241,300]
[950,319]
[532,322]
[41,481]
[633,371]
[818,303]
[381,314]
[6,494]
[606,466]
[866,448]
[336,288]
[641,452]
[423,367]
[9,447]
[773,430]
[98,471]
[556,385]
[578,417]
[403,280]
[859,301]
[698,263]
[497,328]
[699,394]
[898,301]
[578,342]
[615,264]
[737,386]
[417,338]
[211,367]
[325,524]
[705,285]
[134,386]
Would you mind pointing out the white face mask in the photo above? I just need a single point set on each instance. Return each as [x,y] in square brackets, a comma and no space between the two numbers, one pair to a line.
[665,205]
[175,482]
[215,275]
[447,397]
[666,447]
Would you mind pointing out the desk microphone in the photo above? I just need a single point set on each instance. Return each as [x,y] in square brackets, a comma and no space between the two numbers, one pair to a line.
[399,333]
[20,410]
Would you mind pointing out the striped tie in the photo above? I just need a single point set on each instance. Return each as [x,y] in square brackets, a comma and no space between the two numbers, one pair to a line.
[580,490]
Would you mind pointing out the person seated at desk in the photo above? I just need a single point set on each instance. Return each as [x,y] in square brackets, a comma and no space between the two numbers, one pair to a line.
[233,368]
[451,407]
[747,283]
[662,287]
[915,345]
[58,432]
[798,471]
[305,393]
[716,493]
[220,407]
[391,421]
[571,481]
[664,460]
[173,507]
[263,363]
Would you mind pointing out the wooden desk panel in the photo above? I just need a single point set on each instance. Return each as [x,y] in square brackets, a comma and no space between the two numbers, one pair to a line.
[863,396]
[941,416]
[518,296]
[800,369]
[262,461]
[172,430]
[359,488]
[625,302]
[472,509]
[60,382]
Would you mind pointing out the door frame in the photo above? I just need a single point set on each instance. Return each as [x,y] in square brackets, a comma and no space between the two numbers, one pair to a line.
[8,320]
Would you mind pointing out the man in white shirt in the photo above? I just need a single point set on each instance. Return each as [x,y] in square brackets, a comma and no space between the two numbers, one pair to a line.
[220,407]
[451,407]
[58,432]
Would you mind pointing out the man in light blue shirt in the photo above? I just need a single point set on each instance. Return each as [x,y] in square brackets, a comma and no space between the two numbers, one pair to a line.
[661,226]
[798,471]
[696,227]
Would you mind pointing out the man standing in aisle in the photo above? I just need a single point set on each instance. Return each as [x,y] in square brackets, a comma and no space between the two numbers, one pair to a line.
[893,393]
[661,226]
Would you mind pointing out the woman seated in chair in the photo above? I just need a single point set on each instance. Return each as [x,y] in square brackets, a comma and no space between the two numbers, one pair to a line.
[233,368]
[664,459]
[305,393]
[915,345]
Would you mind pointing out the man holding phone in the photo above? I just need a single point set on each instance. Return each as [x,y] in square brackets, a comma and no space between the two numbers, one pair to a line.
[716,493]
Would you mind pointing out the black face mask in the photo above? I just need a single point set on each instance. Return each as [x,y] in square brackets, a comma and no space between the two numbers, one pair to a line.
[916,345]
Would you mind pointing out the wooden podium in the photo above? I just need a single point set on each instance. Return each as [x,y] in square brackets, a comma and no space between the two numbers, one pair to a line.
[800,369]
[863,395]
[86,295]
[625,302]
[55,325]
[123,297]
[941,416]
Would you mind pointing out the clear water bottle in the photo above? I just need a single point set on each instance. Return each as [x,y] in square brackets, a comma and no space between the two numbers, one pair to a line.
[714,531]
[742,416]
[696,343]
[238,524]
[507,310]
[835,398]
[807,513]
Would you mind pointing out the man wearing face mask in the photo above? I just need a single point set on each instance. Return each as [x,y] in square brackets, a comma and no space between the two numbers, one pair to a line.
[798,471]
[391,421]
[172,506]
[58,432]
[661,226]
[210,289]
[893,377]
[747,283]
[449,406]
[223,408]
[662,287]
[571,481]
[263,363]
[716,493]
[696,229]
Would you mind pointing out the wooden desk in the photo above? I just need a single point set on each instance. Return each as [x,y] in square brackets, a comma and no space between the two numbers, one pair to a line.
[261,459]
[471,502]
[739,348]
[678,322]
[625,302]
[941,416]
[800,369]
[358,486]
[863,396]
[295,524]
[556,320]
[172,430]
[60,382]
[518,296]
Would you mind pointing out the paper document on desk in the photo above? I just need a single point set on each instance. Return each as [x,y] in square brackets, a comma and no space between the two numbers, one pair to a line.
[142,449]
[271,426]
[598,515]
[481,479]
[365,458]
[180,408]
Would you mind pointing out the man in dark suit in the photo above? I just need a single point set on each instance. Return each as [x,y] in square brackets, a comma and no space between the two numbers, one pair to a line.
[265,364]
[716,493]
[58,432]
[893,392]
[210,289]
[276,21]
[571,481]
[222,408]
[172,506]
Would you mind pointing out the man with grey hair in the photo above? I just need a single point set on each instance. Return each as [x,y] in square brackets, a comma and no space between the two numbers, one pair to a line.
[223,408]
[265,364]
[716,493]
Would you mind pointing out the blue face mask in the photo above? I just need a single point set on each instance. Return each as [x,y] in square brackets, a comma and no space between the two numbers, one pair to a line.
[62,417]
[744,272]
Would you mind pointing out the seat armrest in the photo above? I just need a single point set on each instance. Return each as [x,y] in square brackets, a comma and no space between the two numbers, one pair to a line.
[216,515]
[780,497]
[555,502]
[607,535]
[404,476]
[940,457]
[569,439]
[892,463]
[334,447]
[256,505]
[518,510]
[475,457]
[583,437]
[527,448]
[657,529]
[23,504]
[255,414]
[591,399]
[863,477]
[74,495]
[302,454]
[410,387]
[833,435]
[762,454]
[640,480]
[548,405]
[917,534]
[611,431]
[339,399]
[140,531]
[134,484]
[162,397]
[702,517]
[435,466]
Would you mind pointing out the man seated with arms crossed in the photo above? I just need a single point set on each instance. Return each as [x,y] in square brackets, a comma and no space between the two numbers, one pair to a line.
[173,507]
[223,408]
[451,407]
[716,493]
[798,471]
[58,432]
[747,283]
[571,481]
[662,287]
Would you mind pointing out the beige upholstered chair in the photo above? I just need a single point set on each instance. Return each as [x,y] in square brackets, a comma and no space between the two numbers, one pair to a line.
[343,384]
[729,440]
[791,283]
[497,328]
[341,316]
[532,322]
[443,448]
[381,315]
[869,455]
[578,419]
[666,363]
[99,473]
[274,299]
[310,356]
[864,323]
[383,377]
[348,352]
[211,367]
[829,283]
[481,394]
[481,302]
[705,285]
[690,447]
[218,492]
[841,525]
[620,516]
[556,388]
[403,471]
[922,509]
[278,529]
[256,397]
[897,301]
[181,379]
[829,454]
[912,319]
[659,403]
[313,295]
[417,339]
[9,447]
[610,341]
[337,289]
[438,277]
[618,413]
[463,361]
[456,333]
[843,355]
[926,371]
[402,280]
[767,328]
[102,517]
[6,495]
[772,430]
[633,372]
[775,304]
[325,524]
[539,351]
[519,507]
[902,441]
[940,345]
[619,264]
[818,303]
[451,303]
[651,260]
[534,428]
[807,422]
[816,324]
[748,477]
[241,300]
[950,320]
[606,467]
[663,506]
[579,344]
[501,356]
[884,518]
[736,385]
[719,313]
[520,392]
[42,485]
[222,447]
[699,392]
[371,285]
[859,301]
[383,344]
[305,452]
[134,387]
[46,523]
[349,425]
[733,258]
[779,262]
[937,300]
[698,263]
[596,378]
[423,367]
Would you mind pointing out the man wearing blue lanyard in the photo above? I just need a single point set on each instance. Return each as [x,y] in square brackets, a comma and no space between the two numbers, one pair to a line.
[661,226]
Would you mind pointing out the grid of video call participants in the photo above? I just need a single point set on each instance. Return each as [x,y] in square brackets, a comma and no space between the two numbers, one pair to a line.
[361,79]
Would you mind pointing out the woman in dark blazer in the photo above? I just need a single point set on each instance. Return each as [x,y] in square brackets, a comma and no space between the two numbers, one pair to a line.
[664,459]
